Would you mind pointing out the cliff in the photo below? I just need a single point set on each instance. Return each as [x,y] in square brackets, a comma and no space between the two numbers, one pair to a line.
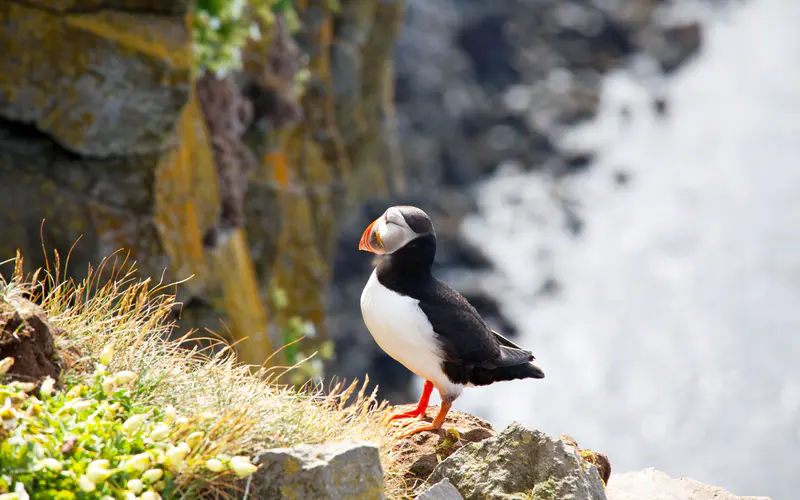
[115,133]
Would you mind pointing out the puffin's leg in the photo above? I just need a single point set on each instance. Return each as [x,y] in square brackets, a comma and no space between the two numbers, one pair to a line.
[419,411]
[437,422]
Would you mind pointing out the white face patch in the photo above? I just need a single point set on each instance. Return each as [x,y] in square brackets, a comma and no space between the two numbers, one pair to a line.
[394,231]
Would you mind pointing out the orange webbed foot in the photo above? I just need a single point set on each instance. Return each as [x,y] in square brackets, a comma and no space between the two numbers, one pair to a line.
[403,419]
[417,413]
[436,425]
[419,427]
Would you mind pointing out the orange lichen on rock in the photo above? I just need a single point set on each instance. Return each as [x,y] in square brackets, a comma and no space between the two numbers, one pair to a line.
[187,198]
[158,37]
[242,301]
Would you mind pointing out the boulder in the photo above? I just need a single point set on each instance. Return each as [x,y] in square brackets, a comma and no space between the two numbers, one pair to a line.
[520,463]
[419,454]
[651,484]
[335,471]
[443,490]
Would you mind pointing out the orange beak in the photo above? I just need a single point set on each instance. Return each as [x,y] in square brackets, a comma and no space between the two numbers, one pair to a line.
[367,239]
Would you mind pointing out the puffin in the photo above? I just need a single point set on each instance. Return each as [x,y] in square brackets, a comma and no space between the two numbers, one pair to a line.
[426,325]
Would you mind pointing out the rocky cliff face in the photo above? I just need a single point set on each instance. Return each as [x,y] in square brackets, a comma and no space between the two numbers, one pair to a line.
[242,183]
[108,135]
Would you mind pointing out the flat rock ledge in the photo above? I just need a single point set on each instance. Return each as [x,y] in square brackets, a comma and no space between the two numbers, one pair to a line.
[330,471]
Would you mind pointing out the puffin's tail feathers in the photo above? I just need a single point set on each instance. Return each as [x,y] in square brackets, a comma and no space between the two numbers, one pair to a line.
[483,376]
[527,370]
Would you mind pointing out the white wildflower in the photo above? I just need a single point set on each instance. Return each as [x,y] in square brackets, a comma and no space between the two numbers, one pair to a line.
[135,485]
[107,355]
[170,414]
[214,465]
[194,439]
[152,475]
[52,464]
[242,466]
[125,377]
[109,385]
[160,432]
[176,454]
[6,364]
[46,390]
[134,422]
[98,475]
[138,463]
[86,484]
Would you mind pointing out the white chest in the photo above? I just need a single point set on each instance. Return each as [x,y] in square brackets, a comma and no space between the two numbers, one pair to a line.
[403,331]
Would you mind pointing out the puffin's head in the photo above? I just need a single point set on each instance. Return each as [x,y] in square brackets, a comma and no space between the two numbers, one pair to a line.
[396,228]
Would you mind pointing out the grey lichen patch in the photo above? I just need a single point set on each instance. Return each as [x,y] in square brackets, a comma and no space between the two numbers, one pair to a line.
[538,465]
[545,490]
[333,470]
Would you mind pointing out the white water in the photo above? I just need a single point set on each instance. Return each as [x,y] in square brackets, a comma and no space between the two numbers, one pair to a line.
[675,341]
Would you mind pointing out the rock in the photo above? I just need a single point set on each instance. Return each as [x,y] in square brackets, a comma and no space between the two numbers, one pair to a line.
[83,78]
[27,336]
[443,490]
[419,454]
[679,44]
[154,6]
[595,458]
[316,472]
[600,461]
[651,484]
[104,134]
[519,463]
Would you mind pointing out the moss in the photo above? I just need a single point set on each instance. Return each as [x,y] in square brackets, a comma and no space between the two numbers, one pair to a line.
[291,466]
[547,490]
[221,30]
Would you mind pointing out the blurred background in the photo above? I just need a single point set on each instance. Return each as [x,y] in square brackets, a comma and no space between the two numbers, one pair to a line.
[614,184]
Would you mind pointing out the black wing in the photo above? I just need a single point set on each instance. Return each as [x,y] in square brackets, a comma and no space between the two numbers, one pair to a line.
[504,341]
[467,341]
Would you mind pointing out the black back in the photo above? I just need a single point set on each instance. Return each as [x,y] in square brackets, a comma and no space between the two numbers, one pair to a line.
[473,353]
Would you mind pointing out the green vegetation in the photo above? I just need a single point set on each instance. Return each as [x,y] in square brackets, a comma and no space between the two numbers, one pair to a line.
[294,331]
[222,28]
[102,441]
[137,407]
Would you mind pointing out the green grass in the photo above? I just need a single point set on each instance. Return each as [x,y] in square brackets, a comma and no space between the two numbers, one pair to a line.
[222,408]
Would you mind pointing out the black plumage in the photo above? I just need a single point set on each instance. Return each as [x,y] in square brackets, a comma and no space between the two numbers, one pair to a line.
[473,353]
